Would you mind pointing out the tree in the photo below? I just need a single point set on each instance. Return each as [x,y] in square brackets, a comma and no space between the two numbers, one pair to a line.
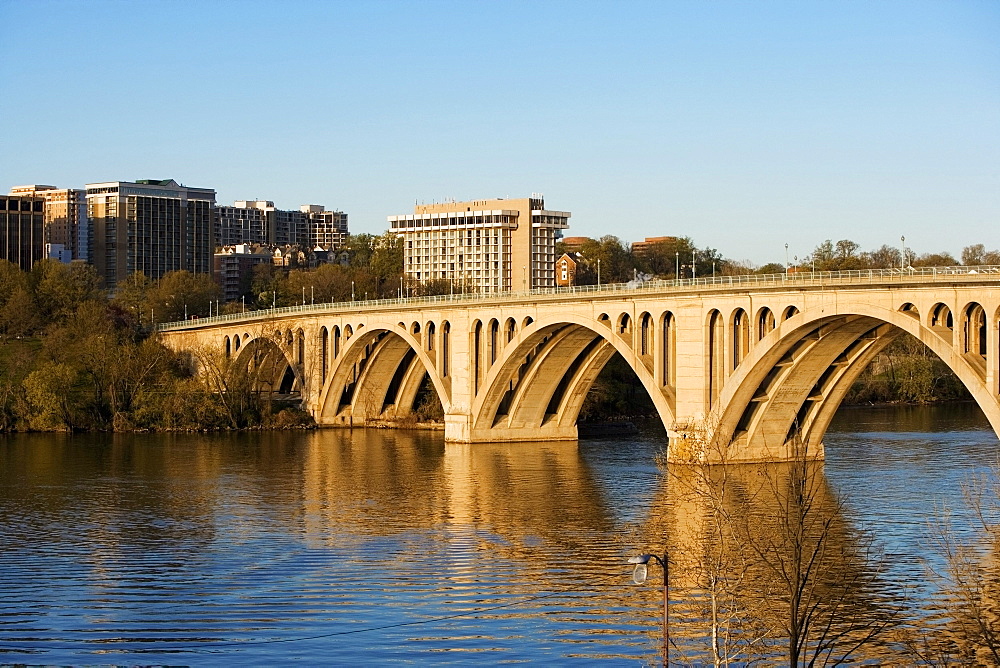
[884,257]
[610,256]
[59,288]
[47,392]
[180,292]
[20,315]
[264,284]
[131,294]
[771,549]
[942,259]
[823,256]
[822,579]
[661,258]
[976,254]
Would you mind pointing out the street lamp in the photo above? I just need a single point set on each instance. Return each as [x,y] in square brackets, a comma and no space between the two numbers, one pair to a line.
[639,576]
[598,272]
[786,258]
[352,291]
[902,257]
[694,269]
[677,265]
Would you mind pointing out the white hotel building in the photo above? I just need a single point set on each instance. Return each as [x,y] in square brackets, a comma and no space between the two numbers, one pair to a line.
[495,245]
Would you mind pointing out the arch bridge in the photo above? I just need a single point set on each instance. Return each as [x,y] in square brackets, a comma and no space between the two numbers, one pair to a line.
[740,368]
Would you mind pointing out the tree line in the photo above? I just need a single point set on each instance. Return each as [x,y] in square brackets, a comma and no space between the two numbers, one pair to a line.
[74,359]
[680,257]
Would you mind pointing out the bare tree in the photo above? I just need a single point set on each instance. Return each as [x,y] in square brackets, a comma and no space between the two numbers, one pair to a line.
[823,572]
[970,585]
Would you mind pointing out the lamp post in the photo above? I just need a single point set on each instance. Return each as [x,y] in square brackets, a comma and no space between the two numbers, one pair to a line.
[598,272]
[639,576]
[786,258]
[694,269]
[902,256]
[352,291]
[524,278]
[677,265]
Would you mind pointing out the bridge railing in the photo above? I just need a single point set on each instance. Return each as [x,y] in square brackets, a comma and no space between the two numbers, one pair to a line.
[803,278]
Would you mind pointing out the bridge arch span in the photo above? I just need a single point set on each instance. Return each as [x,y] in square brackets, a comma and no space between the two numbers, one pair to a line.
[541,377]
[270,365]
[789,386]
[377,373]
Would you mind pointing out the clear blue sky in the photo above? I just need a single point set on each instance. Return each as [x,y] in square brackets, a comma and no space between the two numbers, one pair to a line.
[744,125]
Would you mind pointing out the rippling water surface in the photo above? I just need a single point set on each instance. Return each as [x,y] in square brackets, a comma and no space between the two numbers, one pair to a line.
[363,546]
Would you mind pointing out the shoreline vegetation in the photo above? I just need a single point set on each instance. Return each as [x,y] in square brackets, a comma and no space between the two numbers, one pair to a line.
[73,358]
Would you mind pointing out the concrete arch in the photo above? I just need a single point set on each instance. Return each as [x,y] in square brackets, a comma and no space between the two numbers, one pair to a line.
[373,363]
[794,381]
[543,376]
[270,366]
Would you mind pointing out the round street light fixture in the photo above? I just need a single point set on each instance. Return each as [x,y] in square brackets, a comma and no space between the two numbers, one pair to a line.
[639,574]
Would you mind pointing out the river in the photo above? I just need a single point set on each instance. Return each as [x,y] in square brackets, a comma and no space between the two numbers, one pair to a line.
[343,547]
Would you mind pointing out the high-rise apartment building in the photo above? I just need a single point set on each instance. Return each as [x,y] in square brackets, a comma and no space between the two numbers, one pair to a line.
[493,245]
[22,219]
[65,221]
[149,226]
[290,228]
[245,222]
[260,222]
[327,229]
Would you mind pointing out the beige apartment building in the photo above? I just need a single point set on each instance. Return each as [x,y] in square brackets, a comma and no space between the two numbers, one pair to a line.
[151,226]
[260,222]
[494,245]
[65,217]
[327,229]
